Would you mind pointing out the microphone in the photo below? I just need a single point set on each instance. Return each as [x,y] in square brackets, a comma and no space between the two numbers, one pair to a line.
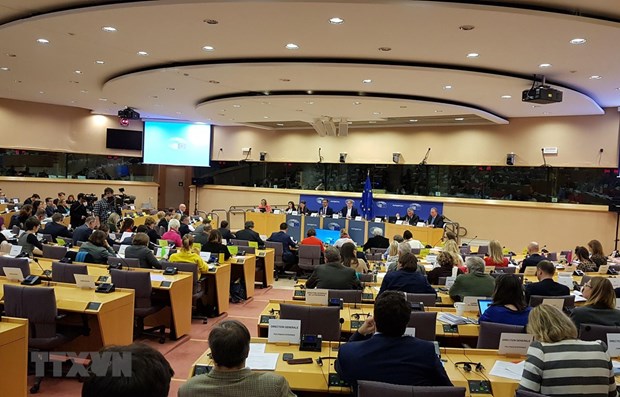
[423,162]
[46,273]
[341,321]
[467,243]
[542,152]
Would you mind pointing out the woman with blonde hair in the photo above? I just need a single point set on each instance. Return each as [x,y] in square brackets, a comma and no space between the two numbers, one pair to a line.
[496,256]
[452,248]
[600,307]
[188,254]
[113,221]
[558,364]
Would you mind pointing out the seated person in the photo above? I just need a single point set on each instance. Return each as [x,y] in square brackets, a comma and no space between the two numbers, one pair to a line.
[188,254]
[287,242]
[204,224]
[496,256]
[248,234]
[184,227]
[349,211]
[413,243]
[446,263]
[127,226]
[582,257]
[344,238]
[28,240]
[559,364]
[533,256]
[164,218]
[545,285]
[377,240]
[201,236]
[229,342]
[263,206]
[435,219]
[56,229]
[302,209]
[82,233]
[406,278]
[97,246]
[452,248]
[214,245]
[290,207]
[474,283]
[411,218]
[596,253]
[225,231]
[509,306]
[151,226]
[311,239]
[379,351]
[600,307]
[348,253]
[139,249]
[333,275]
[150,374]
[19,219]
[173,234]
[403,248]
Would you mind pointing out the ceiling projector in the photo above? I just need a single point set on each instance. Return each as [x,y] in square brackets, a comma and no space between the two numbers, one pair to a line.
[542,95]
[128,113]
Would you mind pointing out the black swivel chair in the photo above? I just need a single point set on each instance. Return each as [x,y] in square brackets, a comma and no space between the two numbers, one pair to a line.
[124,262]
[366,388]
[569,300]
[424,324]
[54,252]
[592,332]
[199,289]
[64,272]
[140,282]
[428,300]
[278,262]
[328,326]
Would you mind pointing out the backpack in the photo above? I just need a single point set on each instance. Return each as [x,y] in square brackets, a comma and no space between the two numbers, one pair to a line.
[237,291]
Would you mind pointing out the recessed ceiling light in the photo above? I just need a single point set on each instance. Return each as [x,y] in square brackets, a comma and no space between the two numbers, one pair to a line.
[459,118]
[544,65]
[103,99]
[78,72]
[596,77]
[535,106]
[108,29]
[506,96]
[413,120]
[309,92]
[84,91]
[357,103]
[336,21]
[473,55]
[447,87]
[372,122]
[208,48]
[280,125]
[385,49]
[376,113]
[367,81]
[546,113]
[41,92]
[578,41]
[142,53]
[99,62]
[5,69]
[438,111]
[467,27]
[265,117]
[236,106]
[43,41]
[310,103]
[292,46]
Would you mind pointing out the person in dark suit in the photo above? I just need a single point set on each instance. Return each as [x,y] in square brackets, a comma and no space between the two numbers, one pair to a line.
[377,240]
[407,278]
[411,218]
[435,219]
[214,245]
[387,355]
[57,229]
[333,275]
[325,210]
[545,285]
[184,228]
[349,211]
[78,212]
[287,243]
[302,208]
[533,256]
[83,232]
[249,234]
[225,231]
[139,249]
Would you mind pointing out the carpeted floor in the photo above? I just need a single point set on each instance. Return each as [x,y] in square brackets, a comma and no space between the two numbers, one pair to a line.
[184,352]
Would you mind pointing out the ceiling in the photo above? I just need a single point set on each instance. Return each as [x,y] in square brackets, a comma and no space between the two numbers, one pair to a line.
[388,63]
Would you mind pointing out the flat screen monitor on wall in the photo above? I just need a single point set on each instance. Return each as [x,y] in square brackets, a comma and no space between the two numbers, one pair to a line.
[123,139]
[173,143]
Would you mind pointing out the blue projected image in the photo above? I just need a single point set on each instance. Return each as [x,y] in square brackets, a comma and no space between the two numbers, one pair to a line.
[173,143]
[327,236]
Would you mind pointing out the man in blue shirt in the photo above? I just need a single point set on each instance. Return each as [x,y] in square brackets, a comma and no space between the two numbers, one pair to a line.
[287,243]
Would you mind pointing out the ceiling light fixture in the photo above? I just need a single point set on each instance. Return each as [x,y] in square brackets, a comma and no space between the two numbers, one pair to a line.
[4,69]
[596,77]
[336,21]
[208,48]
[367,81]
[447,87]
[43,41]
[413,120]
[108,29]
[292,46]
[385,49]
[544,65]
[211,21]
[473,55]
[467,27]
[213,82]
[376,113]
[578,41]
[459,118]
[357,103]
[265,117]
[236,106]
[506,96]
[103,99]
[280,124]
[99,62]
[78,72]
[142,53]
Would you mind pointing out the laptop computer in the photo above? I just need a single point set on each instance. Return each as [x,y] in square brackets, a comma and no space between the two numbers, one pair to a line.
[483,305]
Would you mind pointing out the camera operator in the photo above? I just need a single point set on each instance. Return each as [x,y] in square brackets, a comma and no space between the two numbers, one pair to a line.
[104,206]
[78,211]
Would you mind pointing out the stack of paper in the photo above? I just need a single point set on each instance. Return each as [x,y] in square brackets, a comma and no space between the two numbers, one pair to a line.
[453,319]
[258,360]
[508,370]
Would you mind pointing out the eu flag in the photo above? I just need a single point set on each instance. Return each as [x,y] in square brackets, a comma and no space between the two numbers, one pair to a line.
[367,204]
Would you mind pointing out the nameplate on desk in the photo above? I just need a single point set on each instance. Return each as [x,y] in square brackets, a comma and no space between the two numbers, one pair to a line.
[302,292]
[94,306]
[514,344]
[603,269]
[566,280]
[15,250]
[613,345]
[410,331]
[314,214]
[13,273]
[166,284]
[530,271]
[287,331]
[294,213]
[557,303]
[335,216]
[450,281]
[239,260]
[317,297]
[85,281]
[399,222]
[378,220]
[471,303]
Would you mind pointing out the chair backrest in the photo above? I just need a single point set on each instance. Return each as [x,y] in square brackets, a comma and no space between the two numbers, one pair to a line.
[63,272]
[441,280]
[20,263]
[520,276]
[525,393]
[136,280]
[234,241]
[367,278]
[189,268]
[377,250]
[366,388]
[424,324]
[483,249]
[15,229]
[490,334]
[38,305]
[593,332]
[124,262]
[247,249]
[416,251]
[278,248]
[54,252]
[552,256]
[347,295]
[315,320]
[427,299]
[505,270]
[47,237]
[116,247]
[466,250]
[584,279]
[309,256]
[569,300]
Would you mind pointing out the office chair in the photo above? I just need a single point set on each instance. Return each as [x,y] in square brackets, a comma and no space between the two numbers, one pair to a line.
[367,278]
[483,250]
[124,262]
[234,241]
[38,305]
[309,258]
[140,282]
[347,295]
[82,257]
[20,263]
[416,251]
[47,237]
[199,288]
[428,300]
[552,256]
[491,333]
[424,324]
[366,388]
[505,270]
[64,272]
[315,320]
[54,252]
[569,300]
[592,332]
[278,262]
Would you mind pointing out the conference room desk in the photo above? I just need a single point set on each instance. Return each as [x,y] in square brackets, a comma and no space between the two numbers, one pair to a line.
[7,217]
[268,255]
[265,223]
[111,323]
[177,287]
[244,267]
[369,294]
[14,357]
[218,287]
[427,235]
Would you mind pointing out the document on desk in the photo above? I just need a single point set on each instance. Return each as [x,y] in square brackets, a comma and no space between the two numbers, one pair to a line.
[578,296]
[157,277]
[257,348]
[262,361]
[504,369]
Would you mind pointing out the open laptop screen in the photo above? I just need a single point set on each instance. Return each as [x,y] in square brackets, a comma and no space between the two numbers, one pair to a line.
[483,305]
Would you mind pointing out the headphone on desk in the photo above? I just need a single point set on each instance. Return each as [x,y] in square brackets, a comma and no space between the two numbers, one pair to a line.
[468,364]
